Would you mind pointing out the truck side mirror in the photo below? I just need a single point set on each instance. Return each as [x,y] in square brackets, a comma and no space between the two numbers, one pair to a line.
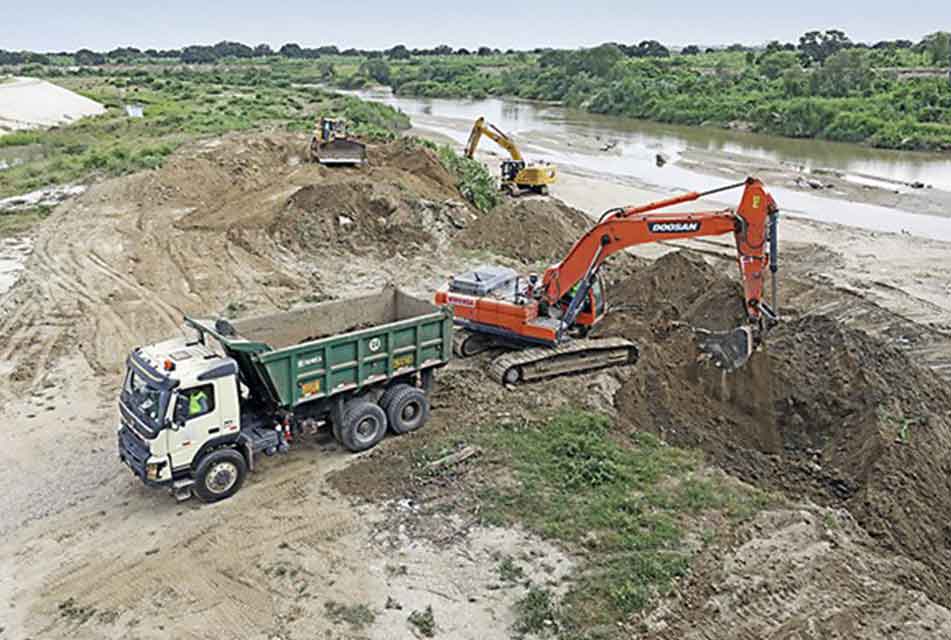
[180,415]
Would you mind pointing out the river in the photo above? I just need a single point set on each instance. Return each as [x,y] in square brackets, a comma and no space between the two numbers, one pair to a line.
[573,139]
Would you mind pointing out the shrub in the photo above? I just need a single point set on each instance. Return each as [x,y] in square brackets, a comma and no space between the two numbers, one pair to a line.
[472,178]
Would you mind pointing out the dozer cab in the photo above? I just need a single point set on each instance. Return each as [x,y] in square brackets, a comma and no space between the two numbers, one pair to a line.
[332,145]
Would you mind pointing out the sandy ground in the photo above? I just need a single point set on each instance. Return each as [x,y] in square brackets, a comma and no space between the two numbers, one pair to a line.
[87,552]
[27,103]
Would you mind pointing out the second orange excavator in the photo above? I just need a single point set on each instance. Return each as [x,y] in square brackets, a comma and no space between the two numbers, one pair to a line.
[544,323]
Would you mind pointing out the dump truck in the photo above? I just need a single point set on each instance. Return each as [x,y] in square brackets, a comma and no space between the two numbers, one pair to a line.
[196,412]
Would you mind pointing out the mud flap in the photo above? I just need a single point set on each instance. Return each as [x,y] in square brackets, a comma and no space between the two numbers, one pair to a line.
[728,350]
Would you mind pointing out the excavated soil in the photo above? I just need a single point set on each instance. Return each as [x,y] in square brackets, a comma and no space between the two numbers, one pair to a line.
[530,230]
[822,411]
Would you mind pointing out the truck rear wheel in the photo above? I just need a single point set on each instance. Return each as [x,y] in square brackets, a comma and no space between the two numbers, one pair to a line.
[219,475]
[407,410]
[391,393]
[363,426]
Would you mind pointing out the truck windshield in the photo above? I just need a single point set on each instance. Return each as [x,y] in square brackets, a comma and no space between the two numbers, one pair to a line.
[146,401]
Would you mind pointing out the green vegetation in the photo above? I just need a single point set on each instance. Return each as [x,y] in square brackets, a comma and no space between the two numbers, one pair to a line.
[509,571]
[623,503]
[474,181]
[179,105]
[357,615]
[424,621]
[824,87]
[535,612]
[20,220]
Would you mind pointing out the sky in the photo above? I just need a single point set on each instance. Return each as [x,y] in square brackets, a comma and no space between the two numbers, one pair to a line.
[67,25]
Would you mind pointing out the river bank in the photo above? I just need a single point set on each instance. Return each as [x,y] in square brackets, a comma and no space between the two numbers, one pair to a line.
[871,188]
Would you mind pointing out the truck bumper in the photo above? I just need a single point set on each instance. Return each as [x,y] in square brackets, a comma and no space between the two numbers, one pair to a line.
[135,454]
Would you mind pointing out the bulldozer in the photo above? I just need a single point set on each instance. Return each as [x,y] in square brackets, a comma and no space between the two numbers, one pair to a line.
[517,176]
[332,145]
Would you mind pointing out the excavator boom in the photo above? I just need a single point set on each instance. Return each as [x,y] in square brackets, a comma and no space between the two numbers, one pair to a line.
[481,128]
[623,228]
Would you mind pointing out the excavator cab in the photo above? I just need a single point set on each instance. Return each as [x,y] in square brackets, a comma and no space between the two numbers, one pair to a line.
[510,169]
[592,309]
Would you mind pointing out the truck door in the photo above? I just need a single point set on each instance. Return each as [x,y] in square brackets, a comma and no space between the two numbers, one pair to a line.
[199,404]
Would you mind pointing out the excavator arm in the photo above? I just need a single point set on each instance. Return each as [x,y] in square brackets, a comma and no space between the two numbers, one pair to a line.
[481,128]
[753,223]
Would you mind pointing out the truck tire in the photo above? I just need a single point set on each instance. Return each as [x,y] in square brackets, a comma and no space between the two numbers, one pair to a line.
[363,426]
[407,410]
[391,393]
[219,475]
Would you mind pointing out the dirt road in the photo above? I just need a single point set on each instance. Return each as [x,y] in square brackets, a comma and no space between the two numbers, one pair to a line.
[241,225]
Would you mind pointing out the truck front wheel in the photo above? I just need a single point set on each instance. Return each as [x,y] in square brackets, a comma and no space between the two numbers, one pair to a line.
[363,425]
[219,475]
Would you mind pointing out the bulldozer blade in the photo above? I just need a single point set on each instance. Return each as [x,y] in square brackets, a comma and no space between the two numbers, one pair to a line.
[341,152]
[728,350]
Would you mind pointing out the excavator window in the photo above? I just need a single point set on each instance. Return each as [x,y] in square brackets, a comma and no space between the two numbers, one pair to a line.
[597,292]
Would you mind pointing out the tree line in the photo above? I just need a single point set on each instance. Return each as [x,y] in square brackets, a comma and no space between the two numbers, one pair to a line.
[197,54]
[813,48]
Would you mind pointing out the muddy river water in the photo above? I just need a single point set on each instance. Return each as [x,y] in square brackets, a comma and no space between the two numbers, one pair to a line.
[626,149]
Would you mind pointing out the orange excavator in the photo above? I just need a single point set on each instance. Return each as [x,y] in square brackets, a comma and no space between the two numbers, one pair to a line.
[544,323]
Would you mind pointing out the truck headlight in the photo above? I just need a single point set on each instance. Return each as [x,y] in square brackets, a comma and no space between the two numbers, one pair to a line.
[153,469]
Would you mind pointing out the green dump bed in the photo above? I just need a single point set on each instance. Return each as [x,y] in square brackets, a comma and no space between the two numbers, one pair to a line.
[317,351]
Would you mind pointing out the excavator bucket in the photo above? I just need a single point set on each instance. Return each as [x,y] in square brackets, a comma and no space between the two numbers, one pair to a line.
[728,350]
[338,151]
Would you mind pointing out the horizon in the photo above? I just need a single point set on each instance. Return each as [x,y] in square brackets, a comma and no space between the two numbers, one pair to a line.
[108,24]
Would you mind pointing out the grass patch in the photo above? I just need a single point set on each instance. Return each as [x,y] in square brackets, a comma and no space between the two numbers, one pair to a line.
[357,616]
[21,220]
[622,502]
[535,612]
[424,621]
[509,571]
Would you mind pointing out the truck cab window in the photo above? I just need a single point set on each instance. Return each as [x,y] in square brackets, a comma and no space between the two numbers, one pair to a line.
[198,401]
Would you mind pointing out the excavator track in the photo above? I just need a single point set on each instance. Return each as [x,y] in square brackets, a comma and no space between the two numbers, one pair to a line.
[576,356]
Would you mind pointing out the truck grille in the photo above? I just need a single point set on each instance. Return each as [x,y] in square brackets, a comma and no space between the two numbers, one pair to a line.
[130,421]
[133,451]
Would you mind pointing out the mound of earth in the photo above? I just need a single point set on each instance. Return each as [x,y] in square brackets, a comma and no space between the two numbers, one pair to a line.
[530,230]
[360,216]
[797,569]
[822,410]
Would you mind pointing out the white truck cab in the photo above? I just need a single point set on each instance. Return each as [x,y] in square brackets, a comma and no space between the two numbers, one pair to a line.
[179,401]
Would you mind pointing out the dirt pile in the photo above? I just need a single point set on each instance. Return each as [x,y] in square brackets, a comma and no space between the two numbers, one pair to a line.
[364,217]
[796,569]
[530,230]
[823,411]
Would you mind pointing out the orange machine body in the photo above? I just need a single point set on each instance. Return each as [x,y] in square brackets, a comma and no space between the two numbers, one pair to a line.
[531,312]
